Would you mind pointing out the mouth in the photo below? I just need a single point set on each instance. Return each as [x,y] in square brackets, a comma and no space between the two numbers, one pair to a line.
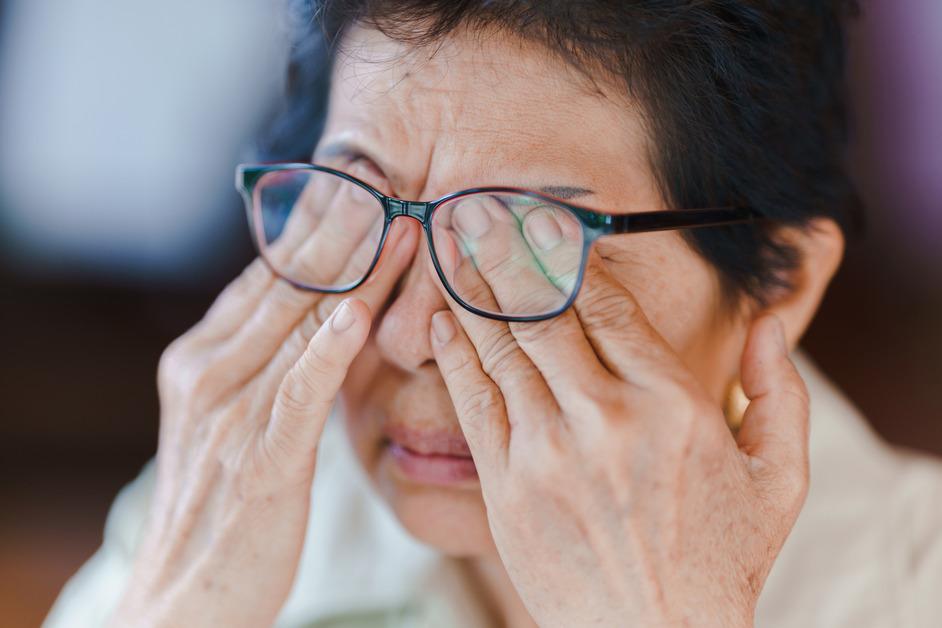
[429,456]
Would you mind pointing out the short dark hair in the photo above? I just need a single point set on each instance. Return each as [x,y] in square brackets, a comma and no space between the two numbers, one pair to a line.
[744,99]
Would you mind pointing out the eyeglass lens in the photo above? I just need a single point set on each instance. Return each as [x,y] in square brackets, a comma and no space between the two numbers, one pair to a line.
[316,228]
[509,254]
[505,254]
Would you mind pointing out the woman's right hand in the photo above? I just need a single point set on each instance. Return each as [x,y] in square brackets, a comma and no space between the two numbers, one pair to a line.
[244,396]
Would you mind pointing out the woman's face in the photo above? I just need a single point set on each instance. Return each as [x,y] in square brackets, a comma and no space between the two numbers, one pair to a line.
[492,110]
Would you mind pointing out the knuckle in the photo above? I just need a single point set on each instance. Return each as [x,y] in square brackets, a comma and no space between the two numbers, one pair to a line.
[291,398]
[608,307]
[480,402]
[179,369]
[605,309]
[252,276]
[171,361]
[499,353]
[471,291]
[534,331]
[315,366]
[608,425]
[794,483]
[284,296]
[456,364]
[284,455]
[603,407]
[255,273]
[799,390]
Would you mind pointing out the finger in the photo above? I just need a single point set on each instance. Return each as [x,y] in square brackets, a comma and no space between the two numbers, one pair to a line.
[338,218]
[619,332]
[236,302]
[523,387]
[278,317]
[556,240]
[305,215]
[307,392]
[336,252]
[374,293]
[501,280]
[774,432]
[478,401]
[493,249]
[330,218]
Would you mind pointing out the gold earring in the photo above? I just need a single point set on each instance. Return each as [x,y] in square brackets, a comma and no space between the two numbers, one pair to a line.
[735,405]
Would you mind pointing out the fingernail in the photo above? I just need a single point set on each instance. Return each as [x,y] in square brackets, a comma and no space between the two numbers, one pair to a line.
[472,219]
[543,229]
[343,318]
[443,327]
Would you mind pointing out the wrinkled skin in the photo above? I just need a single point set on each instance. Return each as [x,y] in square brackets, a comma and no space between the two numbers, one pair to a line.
[609,490]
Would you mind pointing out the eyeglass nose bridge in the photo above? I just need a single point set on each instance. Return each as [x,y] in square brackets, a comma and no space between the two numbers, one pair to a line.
[413,209]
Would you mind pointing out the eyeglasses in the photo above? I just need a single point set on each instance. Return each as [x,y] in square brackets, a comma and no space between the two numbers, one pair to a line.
[504,253]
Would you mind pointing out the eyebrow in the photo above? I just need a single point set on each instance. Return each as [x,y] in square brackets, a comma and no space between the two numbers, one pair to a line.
[351,151]
[565,192]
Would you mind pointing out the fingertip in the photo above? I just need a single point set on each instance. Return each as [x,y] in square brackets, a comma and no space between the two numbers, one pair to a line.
[765,349]
[778,332]
[349,314]
[361,307]
[443,328]
[771,331]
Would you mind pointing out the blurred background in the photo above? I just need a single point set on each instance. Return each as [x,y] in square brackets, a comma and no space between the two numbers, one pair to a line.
[120,124]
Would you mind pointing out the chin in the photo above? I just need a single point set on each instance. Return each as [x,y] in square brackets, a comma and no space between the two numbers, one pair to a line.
[426,481]
[454,521]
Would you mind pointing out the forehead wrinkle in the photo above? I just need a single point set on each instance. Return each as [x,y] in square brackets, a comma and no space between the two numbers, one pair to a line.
[465,115]
[451,73]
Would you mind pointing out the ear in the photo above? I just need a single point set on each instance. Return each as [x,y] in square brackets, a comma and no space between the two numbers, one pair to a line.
[820,247]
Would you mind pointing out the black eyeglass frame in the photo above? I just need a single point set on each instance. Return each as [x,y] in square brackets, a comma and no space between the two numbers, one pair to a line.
[594,225]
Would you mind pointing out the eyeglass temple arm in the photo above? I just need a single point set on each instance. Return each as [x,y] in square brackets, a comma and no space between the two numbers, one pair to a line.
[676,219]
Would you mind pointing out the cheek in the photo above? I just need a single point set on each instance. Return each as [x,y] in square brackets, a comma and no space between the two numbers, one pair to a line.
[453,522]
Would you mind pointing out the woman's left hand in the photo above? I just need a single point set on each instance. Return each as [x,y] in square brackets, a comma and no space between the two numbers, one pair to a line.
[615,492]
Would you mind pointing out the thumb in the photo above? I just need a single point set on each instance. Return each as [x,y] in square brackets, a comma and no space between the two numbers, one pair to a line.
[774,432]
[308,390]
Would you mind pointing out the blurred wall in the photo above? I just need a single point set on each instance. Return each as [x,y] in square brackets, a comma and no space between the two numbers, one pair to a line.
[879,332]
[120,122]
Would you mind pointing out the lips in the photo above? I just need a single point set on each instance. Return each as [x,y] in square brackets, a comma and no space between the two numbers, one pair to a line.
[426,456]
[428,441]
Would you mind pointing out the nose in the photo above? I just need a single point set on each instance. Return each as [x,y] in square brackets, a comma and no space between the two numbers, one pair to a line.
[403,332]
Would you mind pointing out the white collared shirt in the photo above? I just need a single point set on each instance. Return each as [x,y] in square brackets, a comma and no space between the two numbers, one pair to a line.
[866,550]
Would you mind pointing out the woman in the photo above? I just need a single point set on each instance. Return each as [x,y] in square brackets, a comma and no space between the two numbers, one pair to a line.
[534,384]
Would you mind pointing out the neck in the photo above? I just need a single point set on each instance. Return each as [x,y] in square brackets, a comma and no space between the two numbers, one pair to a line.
[497,592]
